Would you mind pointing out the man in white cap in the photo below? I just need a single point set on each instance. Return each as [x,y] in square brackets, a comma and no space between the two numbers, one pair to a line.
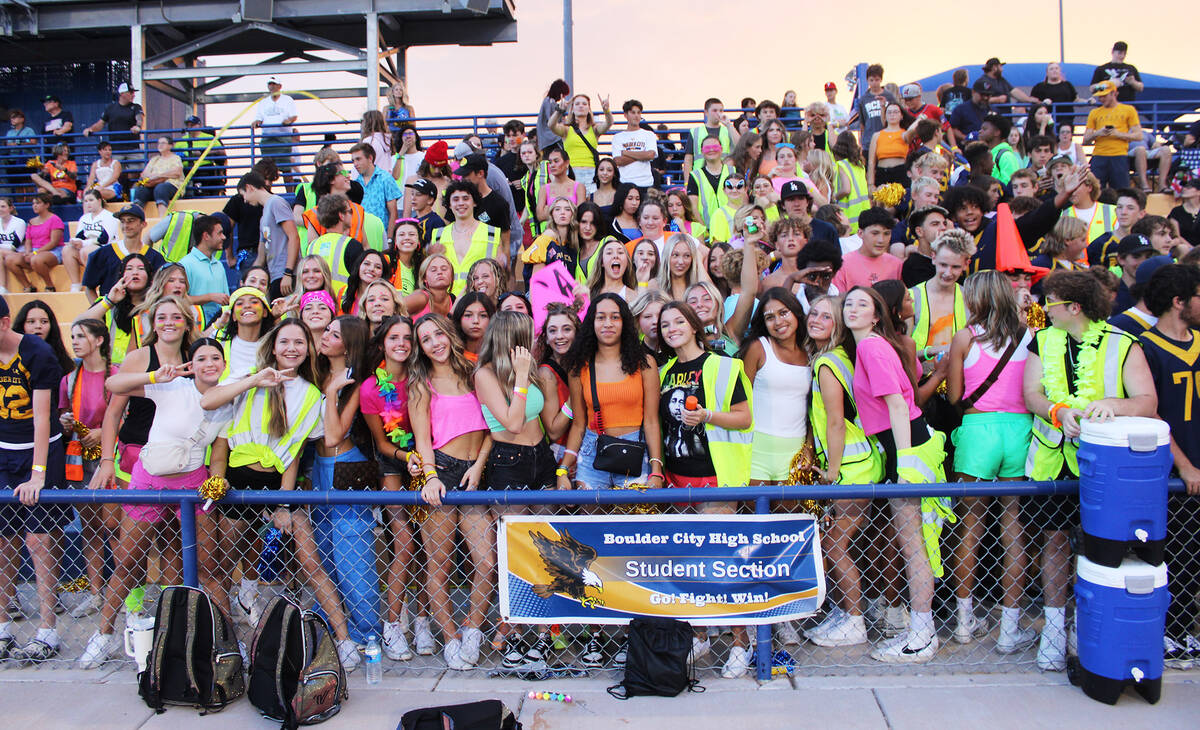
[275,114]
[124,120]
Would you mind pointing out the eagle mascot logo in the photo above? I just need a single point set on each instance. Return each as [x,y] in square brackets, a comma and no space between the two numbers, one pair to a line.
[567,561]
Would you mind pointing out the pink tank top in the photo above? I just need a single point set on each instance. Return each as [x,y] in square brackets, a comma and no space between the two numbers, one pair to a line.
[1006,393]
[451,416]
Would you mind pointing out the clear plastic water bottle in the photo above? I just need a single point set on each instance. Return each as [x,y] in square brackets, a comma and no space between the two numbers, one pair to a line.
[374,662]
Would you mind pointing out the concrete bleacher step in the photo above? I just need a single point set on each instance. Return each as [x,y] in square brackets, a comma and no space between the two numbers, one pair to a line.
[67,306]
[1159,204]
[203,205]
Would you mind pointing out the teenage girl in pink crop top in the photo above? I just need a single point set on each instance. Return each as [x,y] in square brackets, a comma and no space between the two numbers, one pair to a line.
[453,441]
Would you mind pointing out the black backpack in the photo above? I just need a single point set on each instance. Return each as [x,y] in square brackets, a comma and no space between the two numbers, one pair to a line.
[194,660]
[657,659]
[483,715]
[296,676]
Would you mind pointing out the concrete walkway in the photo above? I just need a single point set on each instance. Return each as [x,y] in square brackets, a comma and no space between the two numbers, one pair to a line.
[68,698]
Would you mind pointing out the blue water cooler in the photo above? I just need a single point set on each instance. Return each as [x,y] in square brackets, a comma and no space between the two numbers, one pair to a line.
[1123,469]
[1120,617]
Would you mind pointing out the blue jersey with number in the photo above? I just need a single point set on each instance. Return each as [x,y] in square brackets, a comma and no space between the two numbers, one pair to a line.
[33,367]
[1175,367]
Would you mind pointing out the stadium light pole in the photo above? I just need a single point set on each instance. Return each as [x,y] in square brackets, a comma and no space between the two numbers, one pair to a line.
[1062,53]
[568,46]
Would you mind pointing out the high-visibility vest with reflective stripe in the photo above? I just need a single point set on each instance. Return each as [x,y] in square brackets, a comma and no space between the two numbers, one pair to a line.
[122,342]
[374,232]
[178,239]
[484,241]
[729,450]
[251,427]
[540,179]
[859,199]
[699,134]
[332,248]
[923,319]
[710,200]
[861,461]
[720,228]
[1104,219]
[924,464]
[1050,450]
[357,221]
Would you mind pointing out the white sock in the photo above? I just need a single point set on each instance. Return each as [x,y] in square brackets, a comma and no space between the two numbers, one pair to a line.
[248,588]
[50,636]
[5,627]
[966,606]
[922,622]
[1010,619]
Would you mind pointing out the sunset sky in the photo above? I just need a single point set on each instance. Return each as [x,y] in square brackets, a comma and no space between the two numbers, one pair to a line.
[650,49]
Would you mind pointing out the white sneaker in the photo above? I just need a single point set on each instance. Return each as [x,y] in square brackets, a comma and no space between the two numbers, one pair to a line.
[472,640]
[700,649]
[915,649]
[395,646]
[835,616]
[405,619]
[738,663]
[245,654]
[895,621]
[348,653]
[90,604]
[245,607]
[1016,641]
[423,637]
[1052,651]
[970,627]
[787,634]
[452,653]
[850,631]
[100,649]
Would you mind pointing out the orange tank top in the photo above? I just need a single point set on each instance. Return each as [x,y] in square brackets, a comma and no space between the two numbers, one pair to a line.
[620,402]
[890,145]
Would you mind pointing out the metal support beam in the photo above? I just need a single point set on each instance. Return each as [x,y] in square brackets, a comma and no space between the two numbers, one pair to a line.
[372,60]
[170,91]
[202,42]
[137,55]
[309,38]
[245,98]
[262,69]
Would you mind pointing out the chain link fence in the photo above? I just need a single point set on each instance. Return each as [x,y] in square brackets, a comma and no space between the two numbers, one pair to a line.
[367,567]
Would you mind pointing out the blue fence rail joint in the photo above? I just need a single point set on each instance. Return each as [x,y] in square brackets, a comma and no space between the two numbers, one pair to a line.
[760,496]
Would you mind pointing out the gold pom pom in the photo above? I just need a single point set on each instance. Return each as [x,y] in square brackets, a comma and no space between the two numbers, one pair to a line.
[801,472]
[889,195]
[213,490]
[1035,317]
[645,508]
[78,585]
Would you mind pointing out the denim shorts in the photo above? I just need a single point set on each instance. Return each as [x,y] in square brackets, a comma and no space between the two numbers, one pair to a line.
[511,466]
[451,470]
[592,478]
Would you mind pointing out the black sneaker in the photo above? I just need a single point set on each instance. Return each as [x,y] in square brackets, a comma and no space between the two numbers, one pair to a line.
[514,655]
[35,651]
[14,611]
[593,652]
[539,651]
[6,647]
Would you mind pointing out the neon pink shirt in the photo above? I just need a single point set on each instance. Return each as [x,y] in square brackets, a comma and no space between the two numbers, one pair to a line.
[450,416]
[860,270]
[91,396]
[372,401]
[879,372]
[37,235]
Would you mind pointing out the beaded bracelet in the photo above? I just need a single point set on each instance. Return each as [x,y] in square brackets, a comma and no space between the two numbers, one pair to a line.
[520,391]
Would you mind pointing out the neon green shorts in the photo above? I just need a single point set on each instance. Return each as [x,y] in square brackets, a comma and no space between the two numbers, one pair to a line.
[992,445]
[771,456]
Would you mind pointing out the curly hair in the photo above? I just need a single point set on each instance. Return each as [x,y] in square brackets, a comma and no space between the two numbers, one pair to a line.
[1082,287]
[633,355]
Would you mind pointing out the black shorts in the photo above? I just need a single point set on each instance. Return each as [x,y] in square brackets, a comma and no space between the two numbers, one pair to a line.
[521,467]
[389,467]
[41,518]
[243,477]
[1051,512]
[450,470]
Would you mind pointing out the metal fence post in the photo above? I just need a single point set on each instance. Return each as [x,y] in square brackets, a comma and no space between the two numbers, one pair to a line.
[762,650]
[187,539]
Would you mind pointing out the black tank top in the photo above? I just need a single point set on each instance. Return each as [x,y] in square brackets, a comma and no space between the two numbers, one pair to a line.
[139,414]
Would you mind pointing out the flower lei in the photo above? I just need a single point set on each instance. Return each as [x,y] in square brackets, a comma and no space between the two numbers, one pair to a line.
[391,427]
[1054,370]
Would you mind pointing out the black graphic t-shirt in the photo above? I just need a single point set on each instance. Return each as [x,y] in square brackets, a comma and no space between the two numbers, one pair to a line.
[34,367]
[685,449]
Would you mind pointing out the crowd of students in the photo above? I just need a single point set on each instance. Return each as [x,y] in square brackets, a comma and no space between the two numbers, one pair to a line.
[763,313]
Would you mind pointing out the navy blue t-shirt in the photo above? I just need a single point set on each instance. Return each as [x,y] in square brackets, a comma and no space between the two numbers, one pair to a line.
[1176,373]
[33,368]
[104,266]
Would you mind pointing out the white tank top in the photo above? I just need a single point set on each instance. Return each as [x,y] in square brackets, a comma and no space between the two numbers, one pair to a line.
[781,395]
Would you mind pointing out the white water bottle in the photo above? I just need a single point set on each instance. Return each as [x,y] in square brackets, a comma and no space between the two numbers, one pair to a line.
[374,661]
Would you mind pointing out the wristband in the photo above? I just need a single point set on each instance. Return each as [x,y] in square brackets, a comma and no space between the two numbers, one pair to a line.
[656,474]
[562,472]
[152,379]
[106,303]
[39,468]
[520,391]
[566,411]
[643,284]
[431,474]
[654,459]
[572,452]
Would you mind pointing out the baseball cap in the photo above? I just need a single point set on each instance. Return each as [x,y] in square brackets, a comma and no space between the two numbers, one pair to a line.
[51,97]
[133,209]
[423,186]
[794,189]
[273,80]
[1104,88]
[463,150]
[191,119]
[910,91]
[830,86]
[1133,244]
[1059,160]
[125,89]
[992,63]
[473,163]
[1121,46]
[438,153]
[1146,269]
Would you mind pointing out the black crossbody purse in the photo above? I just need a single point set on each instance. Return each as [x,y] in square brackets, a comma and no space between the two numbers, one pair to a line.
[614,455]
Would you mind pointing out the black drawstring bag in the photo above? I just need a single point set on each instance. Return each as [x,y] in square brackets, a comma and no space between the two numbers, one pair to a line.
[657,660]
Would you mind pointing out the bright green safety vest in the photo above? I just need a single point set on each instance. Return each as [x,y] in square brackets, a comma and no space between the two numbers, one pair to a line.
[729,450]
[374,231]
[178,239]
[924,464]
[252,424]
[710,200]
[187,146]
[699,134]
[721,227]
[484,241]
[859,199]
[332,248]
[1049,450]
[1104,219]
[921,315]
[861,461]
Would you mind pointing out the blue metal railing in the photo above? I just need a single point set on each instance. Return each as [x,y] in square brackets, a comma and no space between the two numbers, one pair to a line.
[760,496]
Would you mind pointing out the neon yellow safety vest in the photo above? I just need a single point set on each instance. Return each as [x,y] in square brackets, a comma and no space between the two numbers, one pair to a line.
[1104,219]
[484,242]
[710,200]
[720,228]
[924,464]
[251,427]
[861,461]
[859,199]
[540,179]
[332,248]
[187,145]
[178,239]
[301,229]
[699,134]
[122,342]
[1049,450]
[922,320]
[729,450]
[374,231]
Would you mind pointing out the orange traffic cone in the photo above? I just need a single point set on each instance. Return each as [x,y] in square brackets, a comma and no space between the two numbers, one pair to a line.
[1010,251]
